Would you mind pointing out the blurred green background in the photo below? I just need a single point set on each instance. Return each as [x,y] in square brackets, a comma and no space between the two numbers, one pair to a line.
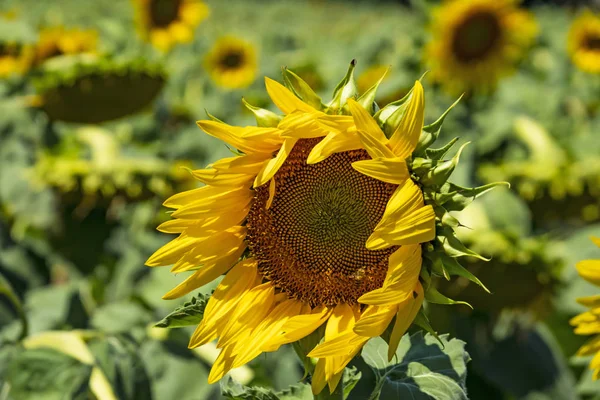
[98,103]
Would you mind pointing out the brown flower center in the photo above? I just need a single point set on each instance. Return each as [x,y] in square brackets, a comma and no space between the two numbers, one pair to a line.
[163,12]
[232,60]
[311,241]
[592,42]
[476,36]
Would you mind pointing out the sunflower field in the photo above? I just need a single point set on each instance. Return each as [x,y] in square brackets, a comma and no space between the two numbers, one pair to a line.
[393,199]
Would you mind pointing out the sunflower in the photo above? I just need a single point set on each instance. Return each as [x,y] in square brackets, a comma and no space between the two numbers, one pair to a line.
[476,42]
[320,220]
[15,58]
[584,42]
[588,323]
[167,22]
[232,63]
[58,41]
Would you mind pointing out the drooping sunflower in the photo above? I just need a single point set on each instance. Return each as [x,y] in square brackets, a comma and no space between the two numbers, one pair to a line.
[588,322]
[57,41]
[328,216]
[476,42]
[584,42]
[232,63]
[165,23]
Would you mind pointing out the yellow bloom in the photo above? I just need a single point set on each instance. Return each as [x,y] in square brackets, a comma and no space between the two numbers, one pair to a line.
[322,209]
[476,42]
[15,58]
[232,63]
[584,42]
[165,23]
[59,41]
[588,322]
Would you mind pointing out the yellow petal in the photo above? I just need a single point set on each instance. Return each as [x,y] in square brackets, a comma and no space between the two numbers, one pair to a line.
[403,273]
[406,136]
[590,301]
[213,177]
[589,270]
[300,326]
[333,143]
[271,168]
[416,227]
[302,125]
[222,365]
[285,100]
[318,377]
[590,347]
[369,132]
[407,311]
[390,170]
[215,204]
[171,252]
[204,275]
[245,139]
[374,320]
[246,164]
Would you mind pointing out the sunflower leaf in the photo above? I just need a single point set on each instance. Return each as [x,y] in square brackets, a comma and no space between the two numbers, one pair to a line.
[236,391]
[191,313]
[425,368]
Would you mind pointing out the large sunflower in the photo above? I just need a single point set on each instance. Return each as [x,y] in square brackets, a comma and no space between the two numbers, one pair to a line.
[584,42]
[325,206]
[57,41]
[476,42]
[232,63]
[588,322]
[167,22]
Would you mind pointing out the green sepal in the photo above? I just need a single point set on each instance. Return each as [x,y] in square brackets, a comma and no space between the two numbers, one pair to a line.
[304,346]
[453,268]
[456,198]
[434,296]
[446,238]
[432,131]
[439,174]
[367,99]
[264,118]
[444,217]
[419,165]
[438,154]
[343,91]
[191,313]
[211,117]
[301,89]
[391,115]
[422,321]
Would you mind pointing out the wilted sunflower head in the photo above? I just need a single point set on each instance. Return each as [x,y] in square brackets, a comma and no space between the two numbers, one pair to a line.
[588,322]
[476,42]
[232,63]
[59,41]
[165,23]
[584,42]
[324,218]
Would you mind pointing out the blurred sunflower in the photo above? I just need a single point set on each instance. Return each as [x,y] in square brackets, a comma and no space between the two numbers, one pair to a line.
[584,42]
[476,42]
[15,58]
[323,209]
[588,322]
[168,22]
[59,41]
[232,63]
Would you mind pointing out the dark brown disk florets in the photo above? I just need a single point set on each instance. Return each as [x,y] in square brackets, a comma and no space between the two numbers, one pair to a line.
[311,241]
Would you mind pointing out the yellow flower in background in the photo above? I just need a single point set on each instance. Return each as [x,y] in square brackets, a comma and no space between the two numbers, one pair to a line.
[322,209]
[232,63]
[476,42]
[588,323]
[165,23]
[584,42]
[59,41]
[15,58]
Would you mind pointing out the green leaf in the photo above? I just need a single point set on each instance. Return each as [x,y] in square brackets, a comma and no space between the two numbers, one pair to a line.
[425,369]
[235,391]
[7,291]
[121,316]
[191,313]
[119,360]
[49,375]
[351,377]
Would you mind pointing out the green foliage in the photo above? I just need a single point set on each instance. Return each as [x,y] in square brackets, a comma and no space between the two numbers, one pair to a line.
[190,313]
[423,368]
